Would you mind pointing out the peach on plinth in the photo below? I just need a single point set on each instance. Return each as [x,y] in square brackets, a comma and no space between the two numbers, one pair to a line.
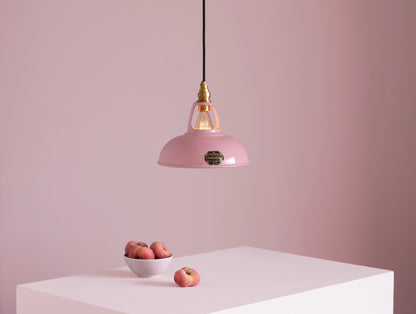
[186,277]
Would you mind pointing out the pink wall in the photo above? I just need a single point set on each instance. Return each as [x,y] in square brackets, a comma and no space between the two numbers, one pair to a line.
[322,93]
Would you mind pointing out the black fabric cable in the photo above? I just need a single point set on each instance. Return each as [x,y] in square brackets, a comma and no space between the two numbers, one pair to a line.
[203,40]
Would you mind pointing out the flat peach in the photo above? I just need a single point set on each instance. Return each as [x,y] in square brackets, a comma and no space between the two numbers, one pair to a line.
[130,244]
[133,251]
[160,250]
[145,253]
[186,277]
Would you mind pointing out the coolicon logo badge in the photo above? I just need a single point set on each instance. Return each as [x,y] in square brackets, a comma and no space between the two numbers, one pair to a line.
[214,158]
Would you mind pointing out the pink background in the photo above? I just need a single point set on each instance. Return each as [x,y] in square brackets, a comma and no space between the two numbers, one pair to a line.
[322,93]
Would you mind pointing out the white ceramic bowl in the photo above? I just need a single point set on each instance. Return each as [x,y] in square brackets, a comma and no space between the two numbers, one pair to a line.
[148,267]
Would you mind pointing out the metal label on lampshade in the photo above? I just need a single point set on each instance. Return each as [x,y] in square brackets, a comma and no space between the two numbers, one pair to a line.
[214,158]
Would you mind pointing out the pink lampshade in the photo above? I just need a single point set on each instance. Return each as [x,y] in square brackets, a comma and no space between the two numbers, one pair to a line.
[203,148]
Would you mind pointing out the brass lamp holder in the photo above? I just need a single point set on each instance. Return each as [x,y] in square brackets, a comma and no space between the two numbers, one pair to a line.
[204,96]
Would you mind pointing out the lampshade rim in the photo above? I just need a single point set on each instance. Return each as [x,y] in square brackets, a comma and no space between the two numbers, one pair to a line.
[240,164]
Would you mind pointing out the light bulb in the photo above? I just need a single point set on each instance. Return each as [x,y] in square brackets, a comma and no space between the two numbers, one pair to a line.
[203,121]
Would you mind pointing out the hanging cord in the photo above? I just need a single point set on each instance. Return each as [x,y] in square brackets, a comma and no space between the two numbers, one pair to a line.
[203,95]
[203,40]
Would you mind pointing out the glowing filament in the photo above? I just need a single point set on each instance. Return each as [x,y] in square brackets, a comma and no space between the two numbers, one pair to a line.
[203,121]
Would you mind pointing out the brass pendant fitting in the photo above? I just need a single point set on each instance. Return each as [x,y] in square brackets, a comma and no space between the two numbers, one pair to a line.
[204,95]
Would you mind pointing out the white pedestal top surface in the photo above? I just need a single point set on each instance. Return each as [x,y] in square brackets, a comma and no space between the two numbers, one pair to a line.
[229,278]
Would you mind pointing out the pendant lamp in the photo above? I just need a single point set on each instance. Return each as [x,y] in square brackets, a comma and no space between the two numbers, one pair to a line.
[203,145]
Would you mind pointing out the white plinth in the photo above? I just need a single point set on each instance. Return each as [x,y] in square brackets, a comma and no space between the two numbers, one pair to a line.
[238,280]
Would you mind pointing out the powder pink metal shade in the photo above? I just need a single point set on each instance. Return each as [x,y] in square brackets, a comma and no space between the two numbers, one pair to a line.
[203,148]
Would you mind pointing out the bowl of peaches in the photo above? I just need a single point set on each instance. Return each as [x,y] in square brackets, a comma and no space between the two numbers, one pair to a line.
[147,261]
